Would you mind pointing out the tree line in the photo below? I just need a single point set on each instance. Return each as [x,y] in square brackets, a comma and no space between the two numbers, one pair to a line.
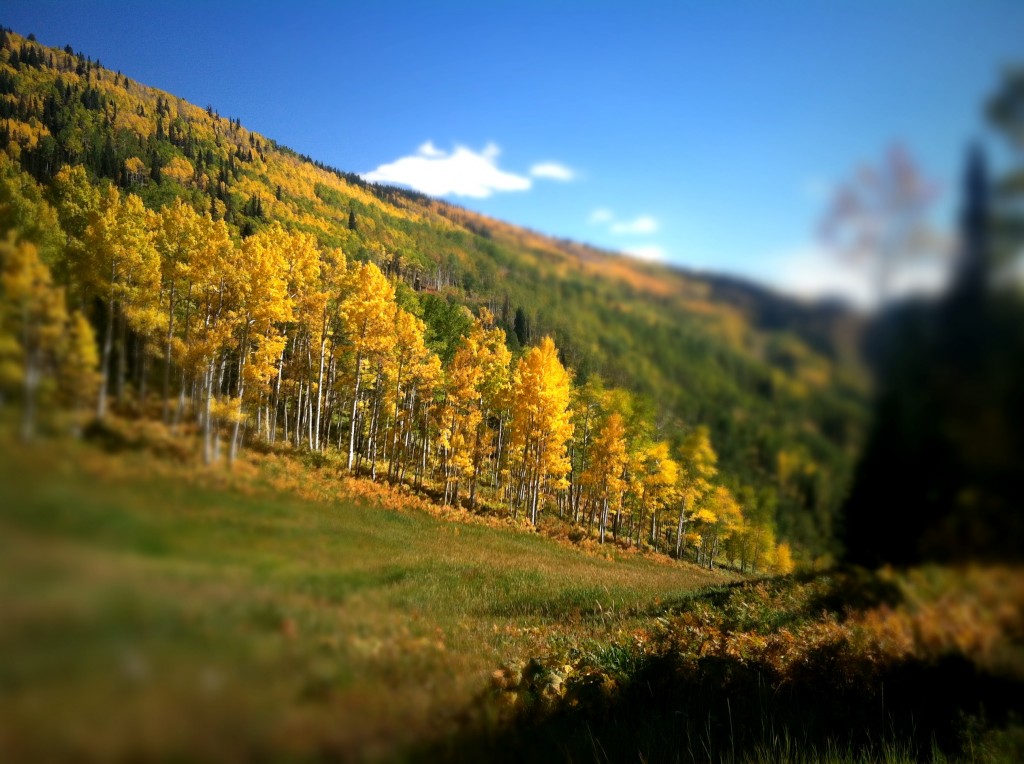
[275,339]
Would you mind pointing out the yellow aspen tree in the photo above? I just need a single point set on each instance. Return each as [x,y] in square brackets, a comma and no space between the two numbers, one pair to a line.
[315,305]
[32,318]
[760,547]
[25,211]
[754,542]
[461,413]
[478,383]
[179,169]
[77,369]
[307,365]
[366,316]
[659,479]
[718,516]
[402,373]
[135,169]
[541,425]
[264,306]
[308,325]
[317,308]
[784,559]
[208,323]
[11,362]
[180,235]
[698,468]
[391,381]
[77,201]
[634,500]
[494,359]
[638,440]
[426,409]
[124,271]
[604,475]
[586,406]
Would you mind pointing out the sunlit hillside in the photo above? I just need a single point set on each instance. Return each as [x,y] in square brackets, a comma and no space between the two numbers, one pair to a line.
[776,381]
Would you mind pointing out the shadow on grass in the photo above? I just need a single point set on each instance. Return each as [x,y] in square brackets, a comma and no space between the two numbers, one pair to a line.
[786,601]
[835,698]
[857,589]
[725,709]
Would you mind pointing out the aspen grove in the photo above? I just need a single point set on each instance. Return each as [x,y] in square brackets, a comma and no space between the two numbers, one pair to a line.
[273,338]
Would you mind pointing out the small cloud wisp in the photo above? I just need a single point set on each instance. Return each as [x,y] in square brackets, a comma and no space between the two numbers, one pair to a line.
[644,224]
[552,171]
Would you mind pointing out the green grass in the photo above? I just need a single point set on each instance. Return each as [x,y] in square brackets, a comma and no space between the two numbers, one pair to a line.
[143,615]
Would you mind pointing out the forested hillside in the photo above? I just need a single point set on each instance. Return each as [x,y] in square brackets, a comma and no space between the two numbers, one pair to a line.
[162,260]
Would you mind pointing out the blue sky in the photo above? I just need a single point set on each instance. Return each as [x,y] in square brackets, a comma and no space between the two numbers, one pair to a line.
[702,133]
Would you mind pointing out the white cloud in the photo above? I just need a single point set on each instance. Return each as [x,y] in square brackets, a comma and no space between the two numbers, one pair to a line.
[642,225]
[463,172]
[647,252]
[552,171]
[428,149]
[601,215]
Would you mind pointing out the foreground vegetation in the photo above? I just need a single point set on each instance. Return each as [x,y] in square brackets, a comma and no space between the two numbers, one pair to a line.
[156,611]
[924,665]
[152,611]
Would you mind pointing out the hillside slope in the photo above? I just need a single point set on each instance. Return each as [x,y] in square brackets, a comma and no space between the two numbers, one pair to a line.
[774,380]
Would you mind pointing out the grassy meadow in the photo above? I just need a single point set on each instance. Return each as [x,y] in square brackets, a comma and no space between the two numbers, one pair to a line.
[153,612]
